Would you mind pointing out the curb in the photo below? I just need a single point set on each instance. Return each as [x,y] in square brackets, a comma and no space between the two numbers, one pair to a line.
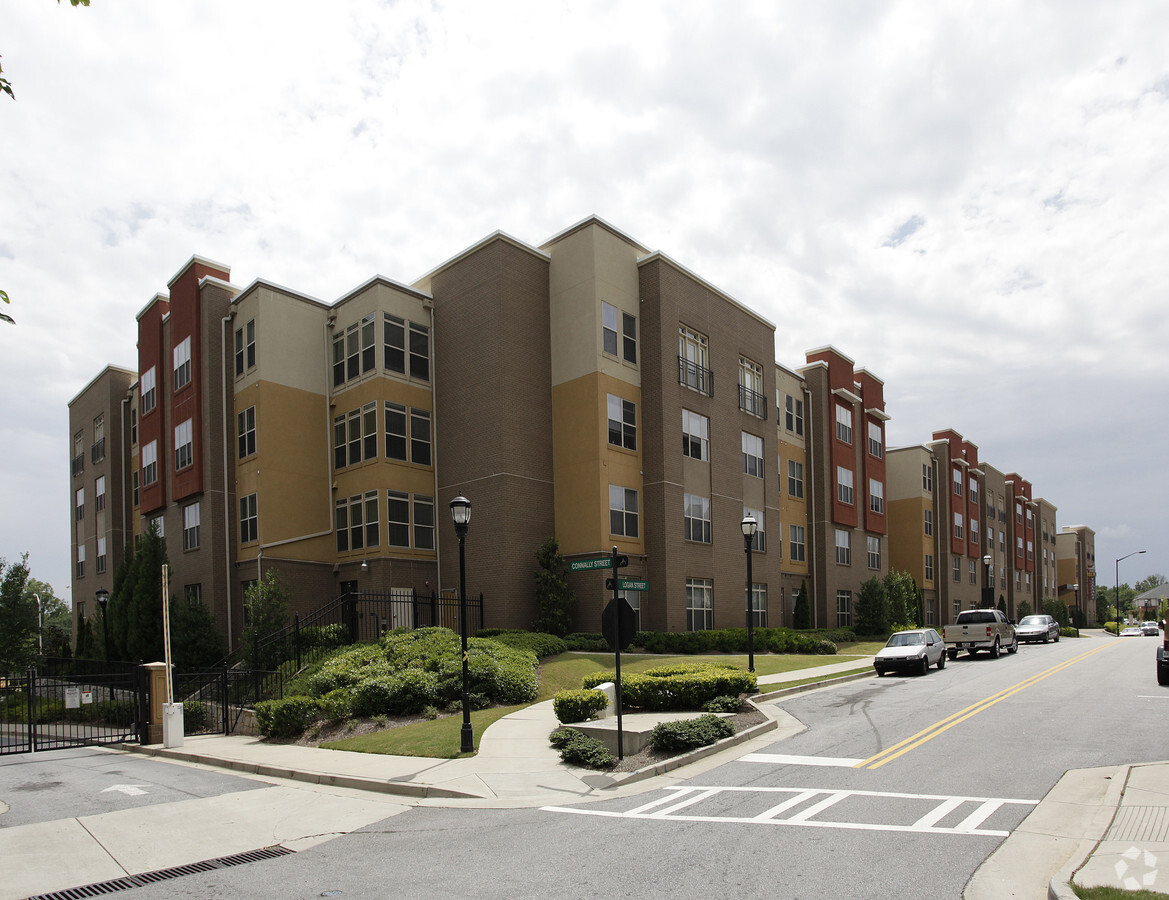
[813,685]
[1060,886]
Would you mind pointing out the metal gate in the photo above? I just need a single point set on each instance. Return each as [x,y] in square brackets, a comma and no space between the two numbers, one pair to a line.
[72,703]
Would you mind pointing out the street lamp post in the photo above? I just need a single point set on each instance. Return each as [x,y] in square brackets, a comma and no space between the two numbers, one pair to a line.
[1118,562]
[1075,615]
[103,599]
[750,526]
[40,626]
[988,583]
[461,516]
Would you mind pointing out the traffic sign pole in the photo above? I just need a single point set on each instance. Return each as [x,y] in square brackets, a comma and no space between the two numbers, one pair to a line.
[616,563]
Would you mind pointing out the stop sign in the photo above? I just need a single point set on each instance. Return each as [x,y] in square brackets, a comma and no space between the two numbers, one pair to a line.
[619,607]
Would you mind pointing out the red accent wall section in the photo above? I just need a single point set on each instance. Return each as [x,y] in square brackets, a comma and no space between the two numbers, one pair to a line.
[872,394]
[974,508]
[152,425]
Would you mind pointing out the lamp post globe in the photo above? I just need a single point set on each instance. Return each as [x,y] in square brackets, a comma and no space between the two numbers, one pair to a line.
[103,599]
[750,526]
[461,517]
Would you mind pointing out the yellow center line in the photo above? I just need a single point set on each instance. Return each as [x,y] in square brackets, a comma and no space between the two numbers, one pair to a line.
[928,734]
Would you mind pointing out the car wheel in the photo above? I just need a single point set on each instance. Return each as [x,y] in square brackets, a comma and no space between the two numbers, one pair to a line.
[925,665]
[953,654]
[1045,638]
[1162,675]
[1014,648]
[994,651]
[880,673]
[942,661]
[1057,637]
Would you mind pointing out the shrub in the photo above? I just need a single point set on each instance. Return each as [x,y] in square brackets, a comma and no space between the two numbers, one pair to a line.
[336,635]
[542,645]
[286,718]
[1069,632]
[338,704]
[687,686]
[347,669]
[579,749]
[586,642]
[724,704]
[195,716]
[679,737]
[578,706]
[734,640]
[402,693]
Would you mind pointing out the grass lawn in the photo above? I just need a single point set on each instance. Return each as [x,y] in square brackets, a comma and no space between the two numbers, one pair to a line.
[1115,893]
[439,738]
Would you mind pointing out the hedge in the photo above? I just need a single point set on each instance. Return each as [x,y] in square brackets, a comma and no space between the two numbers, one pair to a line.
[586,642]
[685,686]
[578,706]
[542,645]
[734,640]
[286,718]
[581,750]
[679,737]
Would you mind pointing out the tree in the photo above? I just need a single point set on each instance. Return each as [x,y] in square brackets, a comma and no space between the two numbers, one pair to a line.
[801,611]
[18,618]
[1022,609]
[554,597]
[871,610]
[901,591]
[265,612]
[56,626]
[1149,582]
[195,642]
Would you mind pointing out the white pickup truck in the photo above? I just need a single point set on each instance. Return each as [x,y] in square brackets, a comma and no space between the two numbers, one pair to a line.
[980,629]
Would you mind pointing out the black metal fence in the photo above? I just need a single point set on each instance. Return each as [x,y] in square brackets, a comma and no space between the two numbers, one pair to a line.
[69,703]
[213,701]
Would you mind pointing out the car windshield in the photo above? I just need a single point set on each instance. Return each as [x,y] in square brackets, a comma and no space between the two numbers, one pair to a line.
[906,640]
[1033,620]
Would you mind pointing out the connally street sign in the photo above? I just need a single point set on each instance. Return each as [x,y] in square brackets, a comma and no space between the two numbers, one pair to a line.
[578,565]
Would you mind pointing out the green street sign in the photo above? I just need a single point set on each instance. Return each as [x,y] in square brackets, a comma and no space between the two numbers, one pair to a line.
[632,584]
[578,565]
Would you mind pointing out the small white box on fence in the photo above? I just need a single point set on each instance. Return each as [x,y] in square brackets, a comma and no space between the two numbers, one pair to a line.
[609,690]
[172,725]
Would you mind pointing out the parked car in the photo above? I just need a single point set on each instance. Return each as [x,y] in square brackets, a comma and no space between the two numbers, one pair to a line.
[980,629]
[1131,631]
[1149,629]
[1037,628]
[911,651]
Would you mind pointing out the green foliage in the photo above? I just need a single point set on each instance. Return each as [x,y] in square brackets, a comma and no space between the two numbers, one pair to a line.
[195,642]
[1069,632]
[1149,582]
[286,718]
[542,645]
[686,686]
[1058,610]
[578,706]
[195,717]
[134,613]
[18,617]
[579,749]
[266,612]
[402,693]
[802,611]
[871,610]
[56,618]
[1022,609]
[555,599]
[902,596]
[323,636]
[587,642]
[680,737]
[1002,607]
[734,640]
[726,704]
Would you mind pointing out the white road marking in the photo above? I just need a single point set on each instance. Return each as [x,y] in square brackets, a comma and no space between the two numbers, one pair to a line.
[781,759]
[681,797]
[130,790]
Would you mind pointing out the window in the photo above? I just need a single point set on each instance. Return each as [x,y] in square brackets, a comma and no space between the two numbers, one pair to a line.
[844,486]
[134,488]
[150,463]
[753,455]
[184,453]
[699,604]
[695,435]
[342,524]
[759,542]
[395,431]
[973,572]
[81,560]
[1030,522]
[419,351]
[957,570]
[696,513]
[369,430]
[1019,547]
[1019,513]
[843,424]
[193,594]
[1030,549]
[99,495]
[181,355]
[368,339]
[629,338]
[357,522]
[394,337]
[957,608]
[751,397]
[355,436]
[929,521]
[133,426]
[958,526]
[101,555]
[1002,538]
[793,419]
[239,352]
[79,453]
[929,567]
[191,527]
[98,451]
[249,519]
[622,422]
[874,551]
[692,370]
[423,522]
[79,497]
[758,605]
[876,440]
[246,347]
[843,547]
[877,496]
[974,530]
[146,389]
[608,328]
[795,479]
[798,546]
[973,491]
[843,609]
[927,477]
[633,598]
[957,473]
[622,511]
[398,519]
[420,437]
[246,431]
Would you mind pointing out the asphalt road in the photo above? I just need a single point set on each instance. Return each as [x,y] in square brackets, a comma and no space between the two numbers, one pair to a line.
[899,787]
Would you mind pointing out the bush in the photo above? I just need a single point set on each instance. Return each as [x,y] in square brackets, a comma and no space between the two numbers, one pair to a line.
[338,704]
[286,718]
[586,642]
[346,669]
[724,704]
[336,635]
[542,645]
[578,706]
[1069,632]
[734,640]
[679,737]
[579,749]
[686,686]
[195,716]
[402,693]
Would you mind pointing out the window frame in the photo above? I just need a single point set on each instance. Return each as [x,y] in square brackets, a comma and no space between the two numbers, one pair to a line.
[699,604]
[795,479]
[843,540]
[696,518]
[245,432]
[181,357]
[753,460]
[624,511]
[249,518]
[624,425]
[845,486]
[844,423]
[797,543]
[691,439]
[184,445]
[191,522]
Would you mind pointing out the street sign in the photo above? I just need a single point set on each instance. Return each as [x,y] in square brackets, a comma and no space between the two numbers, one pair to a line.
[578,565]
[619,608]
[632,584]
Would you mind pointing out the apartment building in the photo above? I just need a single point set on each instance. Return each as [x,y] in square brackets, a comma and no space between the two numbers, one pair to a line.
[1046,574]
[1075,551]
[793,435]
[914,538]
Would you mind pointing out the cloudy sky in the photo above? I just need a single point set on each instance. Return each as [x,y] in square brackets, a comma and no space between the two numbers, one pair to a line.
[968,199]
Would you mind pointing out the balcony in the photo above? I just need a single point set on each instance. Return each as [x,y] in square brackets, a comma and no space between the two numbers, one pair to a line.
[97,452]
[752,402]
[695,376]
[79,464]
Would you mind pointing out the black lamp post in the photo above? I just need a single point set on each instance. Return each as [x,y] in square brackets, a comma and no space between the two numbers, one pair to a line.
[461,516]
[103,599]
[1118,562]
[750,526]
[988,589]
[1075,614]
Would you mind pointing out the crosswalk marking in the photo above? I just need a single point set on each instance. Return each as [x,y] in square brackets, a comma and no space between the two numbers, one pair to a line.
[782,759]
[806,807]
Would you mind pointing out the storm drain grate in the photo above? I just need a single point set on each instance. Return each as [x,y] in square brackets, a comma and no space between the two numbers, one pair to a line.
[132,881]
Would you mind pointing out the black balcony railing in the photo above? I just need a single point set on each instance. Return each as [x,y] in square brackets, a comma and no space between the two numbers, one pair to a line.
[79,464]
[752,402]
[693,375]
[98,451]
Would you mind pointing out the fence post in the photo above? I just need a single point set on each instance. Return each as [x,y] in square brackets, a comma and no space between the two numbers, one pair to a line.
[296,638]
[141,682]
[433,609]
[30,698]
[225,703]
[351,615]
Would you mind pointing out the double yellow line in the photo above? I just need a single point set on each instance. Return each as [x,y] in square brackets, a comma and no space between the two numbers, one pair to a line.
[928,734]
